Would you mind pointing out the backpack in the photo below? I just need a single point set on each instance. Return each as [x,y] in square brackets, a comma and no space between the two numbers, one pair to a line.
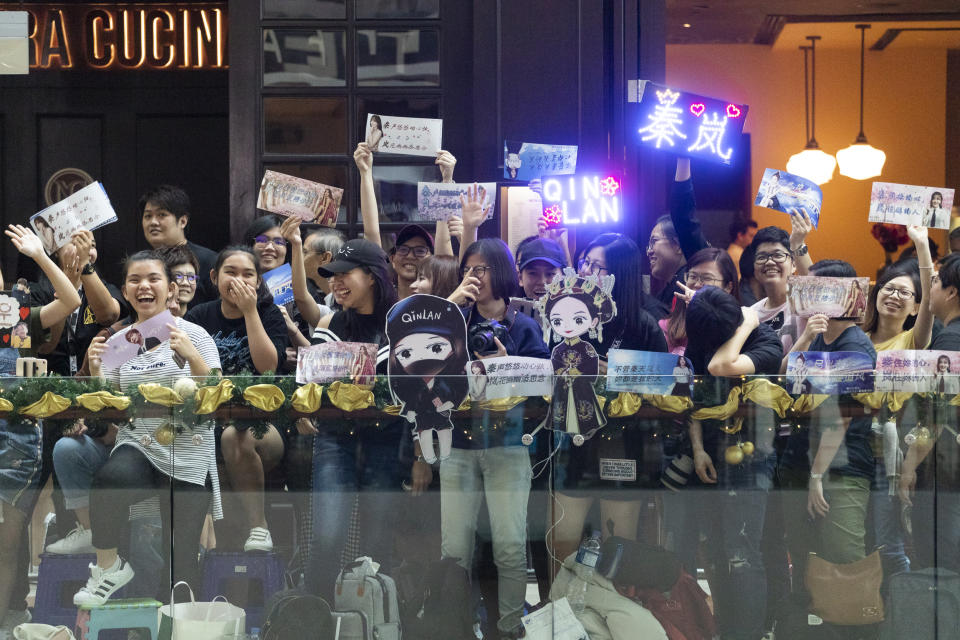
[922,605]
[360,588]
[434,601]
[292,614]
[683,612]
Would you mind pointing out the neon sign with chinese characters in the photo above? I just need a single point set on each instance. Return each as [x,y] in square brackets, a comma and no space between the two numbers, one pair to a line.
[581,199]
[126,37]
[685,123]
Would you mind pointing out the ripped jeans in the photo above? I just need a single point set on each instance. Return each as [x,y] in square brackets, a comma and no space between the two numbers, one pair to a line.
[735,513]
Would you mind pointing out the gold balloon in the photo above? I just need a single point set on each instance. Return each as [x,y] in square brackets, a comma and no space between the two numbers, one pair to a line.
[733,455]
[165,434]
[747,448]
[922,435]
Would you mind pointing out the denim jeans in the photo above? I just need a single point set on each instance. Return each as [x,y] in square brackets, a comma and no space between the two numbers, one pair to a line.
[76,460]
[501,475]
[887,531]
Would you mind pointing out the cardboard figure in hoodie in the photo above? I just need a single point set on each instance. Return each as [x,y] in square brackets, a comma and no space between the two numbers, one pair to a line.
[427,367]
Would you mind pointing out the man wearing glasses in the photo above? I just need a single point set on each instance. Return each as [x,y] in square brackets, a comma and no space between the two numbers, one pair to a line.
[413,246]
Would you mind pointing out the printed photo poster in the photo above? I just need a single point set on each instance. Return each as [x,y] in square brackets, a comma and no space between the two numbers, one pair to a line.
[290,196]
[782,191]
[280,283]
[329,361]
[428,360]
[130,343]
[14,319]
[88,208]
[531,160]
[834,297]
[509,377]
[440,200]
[406,136]
[911,205]
[919,371]
[663,374]
[830,372]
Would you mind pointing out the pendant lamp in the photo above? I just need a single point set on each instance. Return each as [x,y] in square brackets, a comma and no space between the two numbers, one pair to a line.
[861,161]
[811,163]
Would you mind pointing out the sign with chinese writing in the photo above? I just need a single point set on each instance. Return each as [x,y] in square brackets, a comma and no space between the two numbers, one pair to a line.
[581,199]
[685,123]
[14,57]
[833,297]
[509,376]
[663,374]
[406,136]
[134,341]
[88,208]
[919,371]
[830,372]
[14,319]
[555,621]
[910,205]
[440,200]
[782,191]
[337,360]
[280,283]
[290,196]
[530,160]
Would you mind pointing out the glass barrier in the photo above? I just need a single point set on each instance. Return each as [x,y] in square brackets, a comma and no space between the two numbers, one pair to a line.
[723,507]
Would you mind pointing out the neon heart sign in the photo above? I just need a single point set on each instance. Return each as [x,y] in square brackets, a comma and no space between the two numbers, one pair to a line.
[697,109]
[733,111]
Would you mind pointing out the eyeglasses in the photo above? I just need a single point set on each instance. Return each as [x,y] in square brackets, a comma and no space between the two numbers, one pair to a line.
[903,294]
[278,241]
[593,268]
[777,256]
[701,278]
[654,240]
[418,252]
[186,277]
[478,272]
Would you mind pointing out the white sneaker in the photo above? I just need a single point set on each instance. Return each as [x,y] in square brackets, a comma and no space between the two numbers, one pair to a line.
[259,540]
[79,540]
[103,583]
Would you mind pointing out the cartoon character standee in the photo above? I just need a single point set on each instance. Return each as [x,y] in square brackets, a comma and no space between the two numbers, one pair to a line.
[427,368]
[574,306]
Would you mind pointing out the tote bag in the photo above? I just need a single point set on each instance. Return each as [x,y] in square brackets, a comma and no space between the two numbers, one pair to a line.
[199,620]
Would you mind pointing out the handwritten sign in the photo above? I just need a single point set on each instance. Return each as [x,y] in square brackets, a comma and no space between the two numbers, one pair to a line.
[290,196]
[649,372]
[782,191]
[686,123]
[337,360]
[531,160]
[830,372]
[919,371]
[509,376]
[280,283]
[618,470]
[833,297]
[581,200]
[440,200]
[407,136]
[88,208]
[555,621]
[910,205]
[134,341]
[14,319]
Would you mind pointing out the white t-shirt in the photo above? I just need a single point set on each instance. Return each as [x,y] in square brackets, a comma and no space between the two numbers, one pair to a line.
[788,326]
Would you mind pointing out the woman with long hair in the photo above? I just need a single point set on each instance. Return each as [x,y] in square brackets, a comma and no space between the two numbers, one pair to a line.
[439,276]
[706,267]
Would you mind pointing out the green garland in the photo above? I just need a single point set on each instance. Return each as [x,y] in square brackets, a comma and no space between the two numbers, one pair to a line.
[23,392]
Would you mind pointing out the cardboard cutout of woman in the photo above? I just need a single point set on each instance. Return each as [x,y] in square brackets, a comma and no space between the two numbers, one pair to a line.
[427,368]
[574,306]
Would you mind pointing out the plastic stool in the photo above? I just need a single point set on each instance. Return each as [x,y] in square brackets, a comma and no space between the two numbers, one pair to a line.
[247,580]
[59,578]
[117,614]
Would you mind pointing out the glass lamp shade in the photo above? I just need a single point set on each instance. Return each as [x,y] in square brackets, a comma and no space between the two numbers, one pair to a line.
[861,161]
[813,164]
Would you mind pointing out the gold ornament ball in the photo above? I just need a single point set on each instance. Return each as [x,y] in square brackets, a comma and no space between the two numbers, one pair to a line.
[733,455]
[922,437]
[747,448]
[165,434]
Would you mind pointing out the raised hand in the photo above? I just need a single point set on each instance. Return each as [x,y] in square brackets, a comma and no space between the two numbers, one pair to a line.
[466,293]
[82,239]
[918,235]
[473,211]
[181,344]
[800,226]
[363,158]
[26,241]
[455,226]
[243,295]
[446,162]
[290,230]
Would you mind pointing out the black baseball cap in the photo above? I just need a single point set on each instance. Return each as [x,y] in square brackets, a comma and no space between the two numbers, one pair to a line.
[542,249]
[414,231]
[353,254]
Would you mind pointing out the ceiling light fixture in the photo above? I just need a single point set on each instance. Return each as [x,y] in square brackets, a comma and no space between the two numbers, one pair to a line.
[861,161]
[811,163]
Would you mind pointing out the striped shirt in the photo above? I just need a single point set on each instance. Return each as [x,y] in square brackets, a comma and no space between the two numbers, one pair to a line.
[186,460]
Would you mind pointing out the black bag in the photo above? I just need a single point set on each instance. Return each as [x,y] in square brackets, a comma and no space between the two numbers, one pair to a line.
[292,614]
[631,563]
[435,601]
[923,605]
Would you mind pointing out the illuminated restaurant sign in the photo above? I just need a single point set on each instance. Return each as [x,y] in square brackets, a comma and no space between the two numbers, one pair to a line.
[124,36]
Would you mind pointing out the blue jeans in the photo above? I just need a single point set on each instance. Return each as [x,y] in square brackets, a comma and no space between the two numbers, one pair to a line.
[501,475]
[76,461]
[886,524]
[20,452]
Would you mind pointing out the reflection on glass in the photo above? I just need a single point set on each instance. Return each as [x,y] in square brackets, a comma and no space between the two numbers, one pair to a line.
[405,107]
[398,57]
[318,9]
[331,175]
[303,57]
[397,189]
[398,9]
[304,125]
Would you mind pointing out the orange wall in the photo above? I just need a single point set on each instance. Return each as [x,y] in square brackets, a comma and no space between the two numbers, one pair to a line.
[904,115]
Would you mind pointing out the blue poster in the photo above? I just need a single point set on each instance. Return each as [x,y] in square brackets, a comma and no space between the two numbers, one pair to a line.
[782,191]
[649,372]
[829,372]
[280,283]
[529,160]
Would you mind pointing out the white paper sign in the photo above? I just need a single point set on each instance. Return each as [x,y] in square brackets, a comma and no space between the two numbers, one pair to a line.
[910,204]
[14,44]
[555,621]
[616,469]
[88,208]
[508,377]
[406,136]
[440,200]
